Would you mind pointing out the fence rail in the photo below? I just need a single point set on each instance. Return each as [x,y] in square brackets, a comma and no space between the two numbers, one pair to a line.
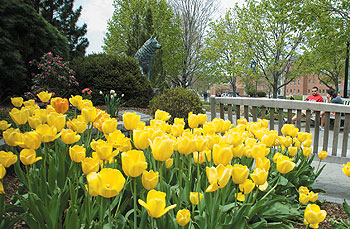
[279,106]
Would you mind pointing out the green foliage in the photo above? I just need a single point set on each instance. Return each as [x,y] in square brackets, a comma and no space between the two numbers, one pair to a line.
[24,36]
[261,94]
[103,72]
[134,22]
[178,102]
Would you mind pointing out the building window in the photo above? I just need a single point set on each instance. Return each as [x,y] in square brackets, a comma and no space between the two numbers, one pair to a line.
[319,91]
[323,91]
[298,82]
[295,83]
[298,91]
[294,91]
[308,90]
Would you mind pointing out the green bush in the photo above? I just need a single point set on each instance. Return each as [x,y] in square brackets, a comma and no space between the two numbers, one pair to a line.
[261,94]
[102,72]
[178,102]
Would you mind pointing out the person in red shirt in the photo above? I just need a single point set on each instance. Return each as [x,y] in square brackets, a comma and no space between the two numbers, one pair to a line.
[314,97]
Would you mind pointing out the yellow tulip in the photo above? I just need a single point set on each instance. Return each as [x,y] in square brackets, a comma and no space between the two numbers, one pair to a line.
[239,173]
[30,140]
[7,158]
[48,133]
[202,118]
[28,156]
[155,205]
[134,163]
[287,141]
[29,103]
[303,198]
[131,120]
[304,190]
[234,139]
[77,153]
[162,148]
[240,197]
[111,182]
[169,162]
[247,187]
[314,215]
[200,157]
[177,130]
[183,217]
[208,129]
[179,121]
[93,183]
[79,125]
[150,179]
[185,145]
[292,151]
[4,125]
[20,117]
[193,120]
[218,177]
[242,121]
[90,164]
[2,171]
[11,136]
[222,155]
[109,126]
[89,114]
[2,191]
[57,120]
[200,143]
[346,169]
[68,136]
[259,176]
[307,151]
[258,150]
[61,105]
[119,141]
[17,101]
[75,100]
[42,114]
[285,166]
[44,96]
[105,151]
[307,143]
[238,151]
[162,115]
[322,154]
[140,139]
[85,103]
[313,196]
[268,139]
[34,121]
[195,197]
[221,125]
[262,163]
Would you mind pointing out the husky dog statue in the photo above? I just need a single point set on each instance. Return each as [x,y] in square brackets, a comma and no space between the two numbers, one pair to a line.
[145,55]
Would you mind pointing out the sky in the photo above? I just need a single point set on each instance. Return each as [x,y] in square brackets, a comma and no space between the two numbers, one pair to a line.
[96,14]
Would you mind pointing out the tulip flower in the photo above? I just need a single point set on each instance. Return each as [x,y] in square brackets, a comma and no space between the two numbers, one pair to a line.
[68,136]
[93,183]
[105,151]
[2,171]
[222,155]
[200,157]
[119,141]
[111,182]
[162,115]
[150,179]
[292,151]
[48,133]
[221,125]
[34,121]
[200,143]
[2,191]
[195,197]
[258,150]
[57,120]
[42,114]
[313,196]
[307,143]
[268,139]
[193,120]
[238,151]
[155,204]
[29,103]
[131,120]
[17,101]
[202,118]
[74,100]
[85,103]
[314,215]
[61,105]
[183,217]
[4,125]
[177,130]
[7,158]
[322,154]
[109,126]
[303,198]
[162,148]
[303,189]
[259,176]
[262,163]
[140,139]
[89,114]
[134,163]
[77,153]
[239,173]
[247,187]
[11,136]
[28,156]
[20,117]
[346,169]
[44,96]
[285,166]
[169,162]
[185,145]
[307,151]
[90,164]
[234,139]
[79,125]
[218,177]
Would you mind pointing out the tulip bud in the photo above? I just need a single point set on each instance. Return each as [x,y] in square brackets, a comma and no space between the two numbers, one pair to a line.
[303,199]
[4,125]
[183,217]
[195,197]
[169,162]
[17,101]
[90,164]
[314,215]
[239,173]
[77,153]
[322,155]
[28,156]
[133,163]
[247,187]
[259,176]
[150,179]
[346,169]
[313,196]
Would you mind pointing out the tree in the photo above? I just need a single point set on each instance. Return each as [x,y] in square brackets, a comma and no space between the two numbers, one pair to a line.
[224,52]
[60,14]
[134,22]
[273,31]
[194,16]
[24,36]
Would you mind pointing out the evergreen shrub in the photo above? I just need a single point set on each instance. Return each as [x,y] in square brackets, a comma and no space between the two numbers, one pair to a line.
[103,72]
[178,102]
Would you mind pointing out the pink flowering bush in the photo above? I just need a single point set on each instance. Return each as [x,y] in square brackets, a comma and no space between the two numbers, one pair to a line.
[54,75]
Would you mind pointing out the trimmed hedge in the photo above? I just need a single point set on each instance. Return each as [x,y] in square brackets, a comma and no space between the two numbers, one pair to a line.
[178,102]
[102,72]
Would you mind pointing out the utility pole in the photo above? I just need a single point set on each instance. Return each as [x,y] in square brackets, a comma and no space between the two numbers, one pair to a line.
[346,79]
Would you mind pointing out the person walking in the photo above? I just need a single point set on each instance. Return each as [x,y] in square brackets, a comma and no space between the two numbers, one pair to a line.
[332,97]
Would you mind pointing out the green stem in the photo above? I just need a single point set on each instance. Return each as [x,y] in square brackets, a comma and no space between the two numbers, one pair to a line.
[160,176]
[135,206]
[318,166]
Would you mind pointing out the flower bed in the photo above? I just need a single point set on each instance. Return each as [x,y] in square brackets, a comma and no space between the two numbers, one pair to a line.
[214,174]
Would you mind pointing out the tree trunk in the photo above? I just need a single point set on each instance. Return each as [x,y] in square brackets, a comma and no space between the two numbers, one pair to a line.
[234,87]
